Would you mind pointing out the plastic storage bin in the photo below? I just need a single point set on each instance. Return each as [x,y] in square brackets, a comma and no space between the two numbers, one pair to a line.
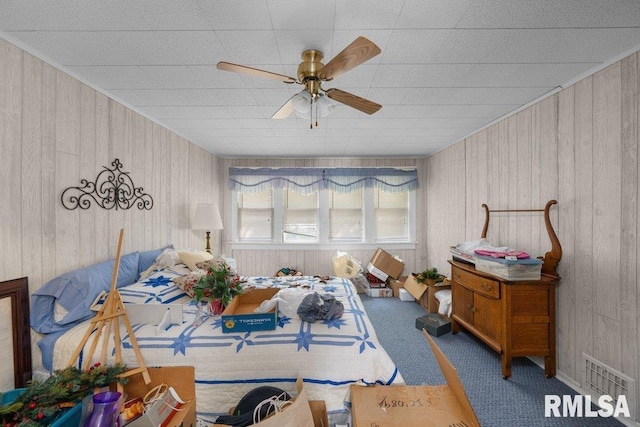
[523,269]
[68,418]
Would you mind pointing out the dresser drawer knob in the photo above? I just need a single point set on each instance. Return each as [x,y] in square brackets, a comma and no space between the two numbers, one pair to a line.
[486,286]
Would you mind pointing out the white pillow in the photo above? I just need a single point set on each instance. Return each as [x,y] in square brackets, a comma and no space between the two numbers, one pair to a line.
[192,258]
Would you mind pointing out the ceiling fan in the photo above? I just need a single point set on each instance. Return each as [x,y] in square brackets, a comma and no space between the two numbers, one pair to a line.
[312,73]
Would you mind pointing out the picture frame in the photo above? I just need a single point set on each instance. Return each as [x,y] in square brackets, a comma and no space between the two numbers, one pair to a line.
[17,291]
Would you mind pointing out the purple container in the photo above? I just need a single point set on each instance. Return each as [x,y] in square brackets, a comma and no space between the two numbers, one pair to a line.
[106,408]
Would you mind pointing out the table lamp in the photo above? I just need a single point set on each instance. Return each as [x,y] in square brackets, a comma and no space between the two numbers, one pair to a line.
[207,217]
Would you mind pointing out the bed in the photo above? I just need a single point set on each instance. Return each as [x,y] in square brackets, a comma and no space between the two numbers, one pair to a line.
[328,355]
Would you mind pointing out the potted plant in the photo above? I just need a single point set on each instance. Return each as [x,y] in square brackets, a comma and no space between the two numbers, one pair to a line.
[430,276]
[217,287]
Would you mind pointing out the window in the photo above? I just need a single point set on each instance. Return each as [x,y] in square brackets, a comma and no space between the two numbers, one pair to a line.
[326,207]
[300,217]
[255,216]
[391,216]
[345,217]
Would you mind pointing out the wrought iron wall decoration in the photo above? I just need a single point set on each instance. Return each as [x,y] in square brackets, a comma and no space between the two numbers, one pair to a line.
[112,189]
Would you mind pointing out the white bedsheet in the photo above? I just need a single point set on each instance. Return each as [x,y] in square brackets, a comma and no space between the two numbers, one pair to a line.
[328,355]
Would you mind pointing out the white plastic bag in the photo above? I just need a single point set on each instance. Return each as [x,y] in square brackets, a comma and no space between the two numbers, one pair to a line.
[344,265]
[289,300]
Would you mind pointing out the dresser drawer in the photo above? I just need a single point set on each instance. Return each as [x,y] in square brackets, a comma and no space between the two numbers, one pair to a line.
[478,284]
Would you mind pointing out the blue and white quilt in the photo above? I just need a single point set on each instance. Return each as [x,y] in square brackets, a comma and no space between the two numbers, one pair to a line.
[329,355]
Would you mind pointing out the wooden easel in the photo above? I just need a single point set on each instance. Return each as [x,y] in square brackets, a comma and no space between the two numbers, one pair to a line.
[108,318]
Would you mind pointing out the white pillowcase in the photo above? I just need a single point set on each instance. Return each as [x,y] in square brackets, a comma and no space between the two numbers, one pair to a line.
[194,257]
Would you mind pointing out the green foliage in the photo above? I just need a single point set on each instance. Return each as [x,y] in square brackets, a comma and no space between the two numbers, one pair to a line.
[220,283]
[429,274]
[42,401]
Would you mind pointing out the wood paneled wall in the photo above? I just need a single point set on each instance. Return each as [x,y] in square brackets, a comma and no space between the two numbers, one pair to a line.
[55,131]
[319,262]
[579,146]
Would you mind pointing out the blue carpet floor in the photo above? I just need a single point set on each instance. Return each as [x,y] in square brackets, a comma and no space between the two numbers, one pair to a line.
[518,401]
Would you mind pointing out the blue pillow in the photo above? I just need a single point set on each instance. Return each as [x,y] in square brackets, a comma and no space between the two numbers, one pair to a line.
[128,271]
[147,258]
[75,292]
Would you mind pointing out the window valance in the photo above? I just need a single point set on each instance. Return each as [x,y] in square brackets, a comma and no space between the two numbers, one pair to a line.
[308,180]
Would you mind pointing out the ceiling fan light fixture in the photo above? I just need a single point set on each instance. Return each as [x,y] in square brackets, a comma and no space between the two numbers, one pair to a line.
[324,105]
[302,102]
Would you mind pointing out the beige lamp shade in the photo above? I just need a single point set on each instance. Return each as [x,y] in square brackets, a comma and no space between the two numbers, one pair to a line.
[206,217]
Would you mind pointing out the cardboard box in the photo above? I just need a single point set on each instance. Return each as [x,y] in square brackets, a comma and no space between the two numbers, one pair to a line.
[387,263]
[434,324]
[414,406]
[381,292]
[396,285]
[425,293]
[432,302]
[319,412]
[239,315]
[181,378]
[414,287]
[376,275]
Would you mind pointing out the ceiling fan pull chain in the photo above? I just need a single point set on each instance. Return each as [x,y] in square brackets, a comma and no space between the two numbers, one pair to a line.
[311,113]
[316,115]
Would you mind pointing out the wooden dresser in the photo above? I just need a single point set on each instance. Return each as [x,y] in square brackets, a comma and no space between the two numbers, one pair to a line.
[515,318]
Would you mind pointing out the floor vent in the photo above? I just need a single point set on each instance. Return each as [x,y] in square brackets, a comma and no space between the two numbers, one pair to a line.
[601,380]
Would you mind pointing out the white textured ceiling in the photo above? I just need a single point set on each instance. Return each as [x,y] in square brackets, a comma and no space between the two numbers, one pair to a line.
[447,67]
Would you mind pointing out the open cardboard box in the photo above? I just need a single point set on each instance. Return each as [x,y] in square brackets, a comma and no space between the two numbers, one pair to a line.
[181,378]
[384,265]
[425,293]
[414,406]
[239,315]
[396,285]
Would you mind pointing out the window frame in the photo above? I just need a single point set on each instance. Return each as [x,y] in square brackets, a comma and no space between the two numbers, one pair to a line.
[324,243]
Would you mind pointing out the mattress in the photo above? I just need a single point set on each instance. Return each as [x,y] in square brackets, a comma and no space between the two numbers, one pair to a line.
[329,355]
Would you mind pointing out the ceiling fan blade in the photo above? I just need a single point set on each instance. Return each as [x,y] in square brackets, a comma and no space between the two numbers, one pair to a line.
[284,111]
[353,101]
[356,53]
[254,72]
